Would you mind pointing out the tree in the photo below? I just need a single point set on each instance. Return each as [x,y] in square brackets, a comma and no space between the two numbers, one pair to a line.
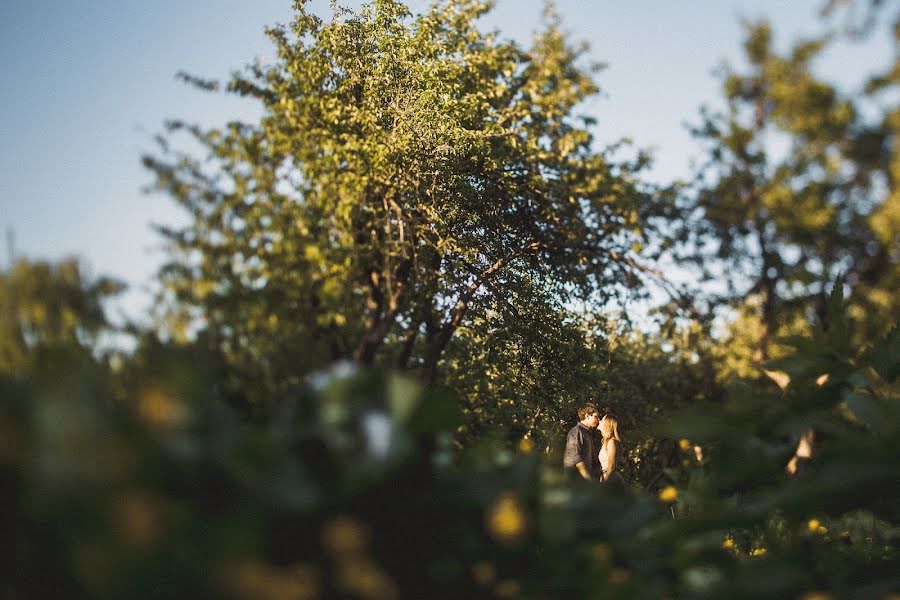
[47,305]
[791,221]
[405,171]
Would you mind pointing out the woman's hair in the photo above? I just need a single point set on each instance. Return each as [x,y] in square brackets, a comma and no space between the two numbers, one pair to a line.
[613,426]
[586,409]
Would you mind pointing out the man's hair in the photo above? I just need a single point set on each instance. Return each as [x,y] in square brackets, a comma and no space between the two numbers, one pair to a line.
[585,409]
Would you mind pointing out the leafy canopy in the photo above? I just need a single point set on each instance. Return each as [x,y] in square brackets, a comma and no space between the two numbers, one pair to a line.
[405,170]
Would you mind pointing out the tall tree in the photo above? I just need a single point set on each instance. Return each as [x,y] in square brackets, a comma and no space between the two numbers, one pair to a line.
[795,191]
[405,170]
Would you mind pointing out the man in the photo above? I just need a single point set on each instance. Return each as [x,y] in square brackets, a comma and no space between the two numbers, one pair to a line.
[580,457]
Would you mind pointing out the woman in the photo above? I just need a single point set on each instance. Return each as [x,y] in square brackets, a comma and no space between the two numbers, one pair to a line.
[609,429]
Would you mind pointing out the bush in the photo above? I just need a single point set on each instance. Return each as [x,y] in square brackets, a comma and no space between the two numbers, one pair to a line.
[353,490]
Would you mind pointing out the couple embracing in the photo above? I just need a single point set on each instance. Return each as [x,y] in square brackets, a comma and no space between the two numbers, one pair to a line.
[580,458]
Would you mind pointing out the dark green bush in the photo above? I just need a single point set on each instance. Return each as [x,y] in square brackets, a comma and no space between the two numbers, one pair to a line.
[149,485]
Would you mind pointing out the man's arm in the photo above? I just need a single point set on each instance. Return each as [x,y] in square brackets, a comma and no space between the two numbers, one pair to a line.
[576,453]
[582,469]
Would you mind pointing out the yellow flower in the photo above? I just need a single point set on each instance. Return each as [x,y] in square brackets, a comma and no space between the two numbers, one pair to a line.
[684,444]
[345,535]
[256,579]
[601,552]
[361,577]
[506,520]
[140,518]
[484,573]
[728,544]
[159,408]
[813,525]
[619,576]
[507,588]
[816,595]
[526,446]
[668,494]
[758,552]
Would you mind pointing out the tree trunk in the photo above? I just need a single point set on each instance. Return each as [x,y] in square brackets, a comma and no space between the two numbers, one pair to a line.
[401,359]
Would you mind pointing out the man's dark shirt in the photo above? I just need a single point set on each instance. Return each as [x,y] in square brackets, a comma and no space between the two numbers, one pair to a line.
[580,448]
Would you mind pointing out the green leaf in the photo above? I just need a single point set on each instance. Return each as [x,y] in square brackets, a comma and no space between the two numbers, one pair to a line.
[866,409]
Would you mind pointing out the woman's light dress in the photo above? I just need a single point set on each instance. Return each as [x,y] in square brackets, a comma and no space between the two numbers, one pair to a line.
[604,456]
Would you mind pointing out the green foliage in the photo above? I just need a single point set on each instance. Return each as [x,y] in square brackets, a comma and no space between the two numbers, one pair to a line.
[776,223]
[46,306]
[851,482]
[418,193]
[523,383]
[354,491]
[409,176]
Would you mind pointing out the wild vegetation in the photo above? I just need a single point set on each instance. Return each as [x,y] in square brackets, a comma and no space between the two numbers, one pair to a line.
[395,289]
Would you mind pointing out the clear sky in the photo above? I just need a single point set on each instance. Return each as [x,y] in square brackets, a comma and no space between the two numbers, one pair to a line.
[85,86]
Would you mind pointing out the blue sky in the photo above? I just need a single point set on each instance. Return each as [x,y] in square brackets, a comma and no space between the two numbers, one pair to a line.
[86,85]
